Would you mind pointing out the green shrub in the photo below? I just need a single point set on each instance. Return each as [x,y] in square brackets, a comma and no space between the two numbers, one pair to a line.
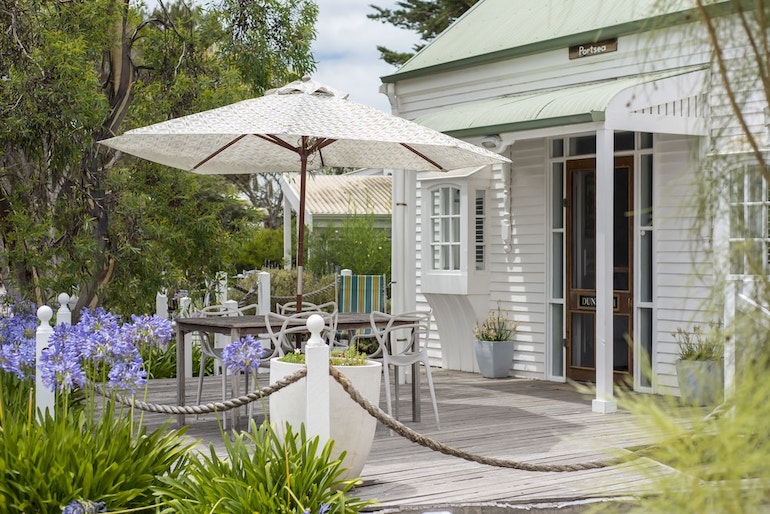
[708,461]
[160,362]
[77,456]
[261,473]
[258,248]
[356,245]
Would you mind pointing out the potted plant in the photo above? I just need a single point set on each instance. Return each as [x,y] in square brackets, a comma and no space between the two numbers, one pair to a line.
[494,346]
[700,368]
[351,427]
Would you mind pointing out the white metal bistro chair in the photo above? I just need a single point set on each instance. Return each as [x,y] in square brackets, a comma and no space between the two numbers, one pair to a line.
[283,330]
[209,350]
[410,350]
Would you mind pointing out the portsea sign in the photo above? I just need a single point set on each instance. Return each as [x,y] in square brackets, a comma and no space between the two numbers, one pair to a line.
[596,48]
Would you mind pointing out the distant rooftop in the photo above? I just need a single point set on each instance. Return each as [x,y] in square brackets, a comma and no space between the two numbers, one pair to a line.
[343,194]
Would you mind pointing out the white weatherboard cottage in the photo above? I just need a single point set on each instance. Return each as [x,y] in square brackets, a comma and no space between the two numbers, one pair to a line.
[607,109]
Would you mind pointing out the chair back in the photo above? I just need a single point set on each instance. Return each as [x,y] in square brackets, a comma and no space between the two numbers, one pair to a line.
[286,331]
[414,332]
[361,293]
[291,307]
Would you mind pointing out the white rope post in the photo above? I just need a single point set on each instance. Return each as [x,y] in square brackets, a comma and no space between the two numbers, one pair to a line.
[44,398]
[64,314]
[263,292]
[161,305]
[317,381]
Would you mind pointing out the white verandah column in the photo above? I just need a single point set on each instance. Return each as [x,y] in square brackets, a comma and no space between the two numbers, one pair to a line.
[605,171]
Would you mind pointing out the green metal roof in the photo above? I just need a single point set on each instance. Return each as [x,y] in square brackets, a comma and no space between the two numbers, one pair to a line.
[536,109]
[494,30]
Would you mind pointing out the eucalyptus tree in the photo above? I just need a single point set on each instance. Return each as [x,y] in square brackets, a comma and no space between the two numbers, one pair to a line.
[73,72]
[426,17]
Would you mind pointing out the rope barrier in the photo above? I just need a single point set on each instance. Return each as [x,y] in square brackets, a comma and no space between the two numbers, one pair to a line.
[223,406]
[380,415]
[440,447]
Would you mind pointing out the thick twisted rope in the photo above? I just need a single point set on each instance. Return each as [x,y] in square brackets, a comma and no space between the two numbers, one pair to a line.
[223,406]
[373,410]
[415,437]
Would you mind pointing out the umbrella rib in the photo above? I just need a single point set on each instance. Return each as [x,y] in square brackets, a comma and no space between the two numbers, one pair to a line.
[424,157]
[277,141]
[228,145]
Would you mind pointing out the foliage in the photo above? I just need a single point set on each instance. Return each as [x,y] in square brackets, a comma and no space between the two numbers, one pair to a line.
[283,285]
[697,346]
[174,229]
[495,327]
[258,248]
[81,454]
[716,462]
[348,356]
[426,17]
[74,73]
[356,245]
[262,473]
[76,456]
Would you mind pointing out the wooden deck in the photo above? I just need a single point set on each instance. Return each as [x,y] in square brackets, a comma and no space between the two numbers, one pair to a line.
[522,420]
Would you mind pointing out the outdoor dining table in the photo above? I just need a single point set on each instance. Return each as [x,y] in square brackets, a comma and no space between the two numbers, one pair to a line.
[239,326]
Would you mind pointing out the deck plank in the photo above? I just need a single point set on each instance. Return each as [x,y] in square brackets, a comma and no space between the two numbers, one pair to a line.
[524,420]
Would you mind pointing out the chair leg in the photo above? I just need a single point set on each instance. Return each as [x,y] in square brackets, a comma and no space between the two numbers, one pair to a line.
[224,393]
[200,381]
[386,373]
[396,379]
[432,393]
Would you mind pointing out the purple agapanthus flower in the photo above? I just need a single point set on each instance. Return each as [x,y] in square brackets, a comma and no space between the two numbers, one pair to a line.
[18,325]
[242,355]
[96,340]
[322,510]
[84,507]
[61,363]
[151,330]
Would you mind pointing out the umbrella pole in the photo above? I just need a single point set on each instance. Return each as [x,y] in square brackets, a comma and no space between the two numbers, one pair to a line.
[301,224]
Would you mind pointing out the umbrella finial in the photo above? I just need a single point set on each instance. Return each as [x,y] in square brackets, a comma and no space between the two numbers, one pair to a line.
[307,86]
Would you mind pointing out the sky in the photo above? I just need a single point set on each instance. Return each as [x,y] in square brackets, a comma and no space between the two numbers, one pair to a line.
[346,48]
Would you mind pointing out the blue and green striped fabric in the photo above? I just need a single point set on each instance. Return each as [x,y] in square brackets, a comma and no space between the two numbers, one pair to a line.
[361,293]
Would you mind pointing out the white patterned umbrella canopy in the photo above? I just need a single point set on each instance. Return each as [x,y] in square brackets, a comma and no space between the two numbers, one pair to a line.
[302,126]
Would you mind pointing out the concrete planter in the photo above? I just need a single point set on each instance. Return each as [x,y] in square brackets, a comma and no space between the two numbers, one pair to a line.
[700,382]
[494,358]
[351,427]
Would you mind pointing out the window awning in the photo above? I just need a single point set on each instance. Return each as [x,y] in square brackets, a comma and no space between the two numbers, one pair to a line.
[669,102]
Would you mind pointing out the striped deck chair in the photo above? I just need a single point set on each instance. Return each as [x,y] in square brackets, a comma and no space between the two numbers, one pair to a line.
[361,293]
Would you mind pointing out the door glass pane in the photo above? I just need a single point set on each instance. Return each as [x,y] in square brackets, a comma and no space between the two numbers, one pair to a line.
[645,347]
[621,344]
[557,207]
[583,337]
[645,267]
[624,141]
[557,330]
[557,148]
[621,257]
[557,289]
[583,230]
[583,145]
[645,193]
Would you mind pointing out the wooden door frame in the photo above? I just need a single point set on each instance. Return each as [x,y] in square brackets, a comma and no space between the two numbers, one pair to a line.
[624,298]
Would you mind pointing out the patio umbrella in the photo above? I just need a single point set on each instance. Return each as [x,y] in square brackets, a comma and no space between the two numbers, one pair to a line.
[302,126]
